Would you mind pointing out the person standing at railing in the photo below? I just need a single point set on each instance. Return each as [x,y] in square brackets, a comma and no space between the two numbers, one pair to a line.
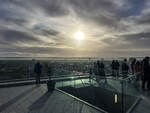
[113,67]
[132,65]
[98,67]
[146,73]
[102,70]
[95,68]
[137,70]
[116,68]
[125,68]
[38,71]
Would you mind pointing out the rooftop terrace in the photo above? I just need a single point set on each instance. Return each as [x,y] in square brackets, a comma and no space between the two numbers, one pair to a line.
[33,99]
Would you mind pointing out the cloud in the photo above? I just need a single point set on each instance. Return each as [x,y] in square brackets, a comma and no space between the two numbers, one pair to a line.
[45,31]
[47,27]
[12,36]
[129,42]
[40,51]
[136,36]
[144,19]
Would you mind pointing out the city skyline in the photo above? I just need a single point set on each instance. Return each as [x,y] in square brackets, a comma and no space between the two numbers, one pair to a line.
[74,28]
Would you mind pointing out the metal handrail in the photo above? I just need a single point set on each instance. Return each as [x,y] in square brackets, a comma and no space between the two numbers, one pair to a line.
[82,101]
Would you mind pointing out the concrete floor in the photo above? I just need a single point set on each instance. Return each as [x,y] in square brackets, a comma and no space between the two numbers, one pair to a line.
[33,99]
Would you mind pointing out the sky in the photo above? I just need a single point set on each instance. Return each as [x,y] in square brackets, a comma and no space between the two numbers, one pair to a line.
[46,28]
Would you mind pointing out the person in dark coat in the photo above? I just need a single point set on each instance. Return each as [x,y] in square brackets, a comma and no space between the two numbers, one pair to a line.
[132,65]
[38,71]
[113,67]
[116,67]
[98,67]
[102,71]
[145,73]
[95,68]
[102,68]
[125,68]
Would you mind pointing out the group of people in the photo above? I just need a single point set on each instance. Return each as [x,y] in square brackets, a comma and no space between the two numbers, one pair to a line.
[140,69]
[99,68]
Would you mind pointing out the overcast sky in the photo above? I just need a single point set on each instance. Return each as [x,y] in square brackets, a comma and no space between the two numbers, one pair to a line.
[45,28]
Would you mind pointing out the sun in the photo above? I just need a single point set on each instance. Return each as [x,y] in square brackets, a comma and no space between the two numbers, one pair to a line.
[79,35]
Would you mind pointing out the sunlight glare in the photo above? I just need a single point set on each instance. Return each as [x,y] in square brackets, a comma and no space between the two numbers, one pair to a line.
[79,35]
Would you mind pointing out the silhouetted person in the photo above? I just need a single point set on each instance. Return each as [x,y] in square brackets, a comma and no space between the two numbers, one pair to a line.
[113,67]
[132,65]
[95,68]
[137,70]
[116,68]
[145,73]
[125,68]
[38,71]
[102,68]
[137,73]
[98,67]
[101,72]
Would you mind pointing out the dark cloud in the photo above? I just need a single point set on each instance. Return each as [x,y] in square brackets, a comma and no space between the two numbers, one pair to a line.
[132,8]
[42,30]
[51,7]
[136,36]
[93,5]
[129,41]
[138,40]
[17,21]
[144,19]
[50,32]
[12,36]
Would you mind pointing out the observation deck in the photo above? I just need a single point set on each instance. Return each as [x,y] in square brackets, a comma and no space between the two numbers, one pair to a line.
[75,94]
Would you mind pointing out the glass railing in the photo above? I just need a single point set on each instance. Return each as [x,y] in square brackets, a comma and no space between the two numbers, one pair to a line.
[131,86]
[110,94]
[24,69]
